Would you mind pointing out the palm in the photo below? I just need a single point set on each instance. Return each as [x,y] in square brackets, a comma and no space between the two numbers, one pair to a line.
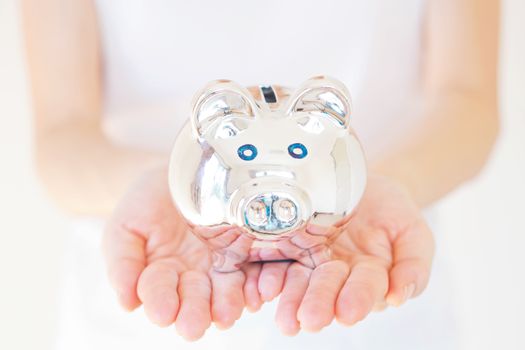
[383,256]
[186,252]
[154,259]
[385,213]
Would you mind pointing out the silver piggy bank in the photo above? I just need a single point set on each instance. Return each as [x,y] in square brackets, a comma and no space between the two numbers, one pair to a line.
[267,173]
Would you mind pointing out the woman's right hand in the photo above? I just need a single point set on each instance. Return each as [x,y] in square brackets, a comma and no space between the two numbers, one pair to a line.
[153,259]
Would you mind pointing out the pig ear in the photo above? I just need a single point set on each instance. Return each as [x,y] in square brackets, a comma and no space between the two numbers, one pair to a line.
[322,95]
[218,99]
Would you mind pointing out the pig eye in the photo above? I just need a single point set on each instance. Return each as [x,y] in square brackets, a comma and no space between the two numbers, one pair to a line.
[247,152]
[297,150]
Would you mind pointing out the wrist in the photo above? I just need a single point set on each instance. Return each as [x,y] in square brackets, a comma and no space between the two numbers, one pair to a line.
[403,173]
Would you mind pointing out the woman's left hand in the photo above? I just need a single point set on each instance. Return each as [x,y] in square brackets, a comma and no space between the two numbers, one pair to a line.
[382,258]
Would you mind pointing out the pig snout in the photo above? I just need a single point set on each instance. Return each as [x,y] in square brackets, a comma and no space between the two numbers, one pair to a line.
[271,212]
[273,208]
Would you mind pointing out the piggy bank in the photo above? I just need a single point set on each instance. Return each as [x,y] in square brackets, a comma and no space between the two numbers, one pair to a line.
[268,173]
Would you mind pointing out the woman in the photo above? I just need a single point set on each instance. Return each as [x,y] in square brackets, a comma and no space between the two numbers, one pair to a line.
[111,84]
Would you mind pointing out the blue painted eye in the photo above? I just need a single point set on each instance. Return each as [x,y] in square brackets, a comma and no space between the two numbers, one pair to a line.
[297,150]
[247,152]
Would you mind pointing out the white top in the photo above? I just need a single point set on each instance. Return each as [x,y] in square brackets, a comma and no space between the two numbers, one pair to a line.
[158,53]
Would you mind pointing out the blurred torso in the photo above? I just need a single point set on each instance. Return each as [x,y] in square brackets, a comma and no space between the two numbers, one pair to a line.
[158,53]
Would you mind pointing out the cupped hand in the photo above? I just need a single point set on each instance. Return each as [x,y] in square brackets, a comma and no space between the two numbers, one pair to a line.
[153,259]
[382,258]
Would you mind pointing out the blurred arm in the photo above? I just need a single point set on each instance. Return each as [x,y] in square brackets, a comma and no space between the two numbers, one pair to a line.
[82,170]
[460,91]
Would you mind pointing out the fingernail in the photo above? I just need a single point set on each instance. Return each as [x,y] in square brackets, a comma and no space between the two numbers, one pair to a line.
[350,319]
[253,307]
[268,288]
[409,291]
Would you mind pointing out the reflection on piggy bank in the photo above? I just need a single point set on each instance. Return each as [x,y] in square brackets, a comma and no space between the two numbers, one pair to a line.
[266,173]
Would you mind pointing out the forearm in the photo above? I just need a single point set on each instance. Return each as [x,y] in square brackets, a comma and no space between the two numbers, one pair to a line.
[448,149]
[84,172]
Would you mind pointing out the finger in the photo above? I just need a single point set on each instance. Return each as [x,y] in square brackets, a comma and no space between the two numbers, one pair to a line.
[227,297]
[295,285]
[123,250]
[413,253]
[271,279]
[252,298]
[157,289]
[365,287]
[194,315]
[318,306]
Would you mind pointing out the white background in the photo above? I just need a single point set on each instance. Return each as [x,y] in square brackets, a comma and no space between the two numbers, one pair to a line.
[484,222]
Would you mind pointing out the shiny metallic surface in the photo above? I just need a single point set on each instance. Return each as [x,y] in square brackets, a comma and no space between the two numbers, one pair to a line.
[285,210]
[268,173]
[256,213]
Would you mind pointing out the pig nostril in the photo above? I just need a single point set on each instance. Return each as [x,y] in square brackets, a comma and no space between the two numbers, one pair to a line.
[285,210]
[256,213]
